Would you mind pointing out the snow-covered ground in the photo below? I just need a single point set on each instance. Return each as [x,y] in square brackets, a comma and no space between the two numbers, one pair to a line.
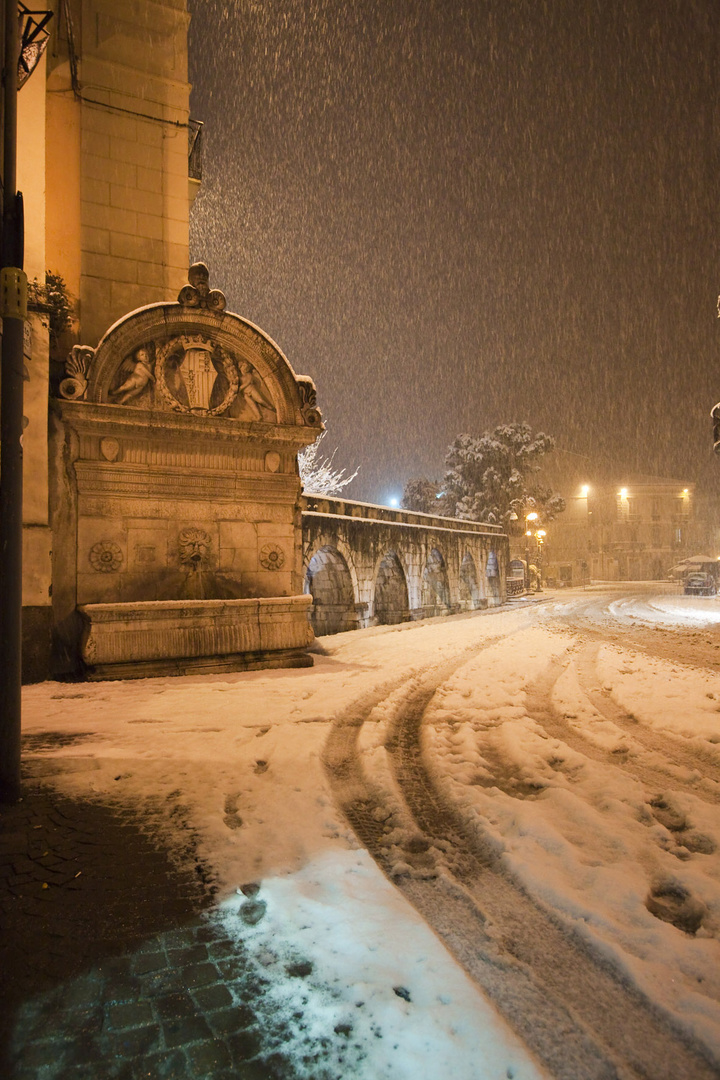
[593,772]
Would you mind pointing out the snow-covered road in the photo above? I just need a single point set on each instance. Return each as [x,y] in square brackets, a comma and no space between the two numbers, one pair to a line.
[541,784]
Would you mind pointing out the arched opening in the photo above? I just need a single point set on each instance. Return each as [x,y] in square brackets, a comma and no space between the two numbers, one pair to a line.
[328,580]
[468,585]
[391,594]
[435,590]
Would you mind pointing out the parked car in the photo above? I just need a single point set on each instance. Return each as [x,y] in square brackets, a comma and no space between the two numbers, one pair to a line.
[699,584]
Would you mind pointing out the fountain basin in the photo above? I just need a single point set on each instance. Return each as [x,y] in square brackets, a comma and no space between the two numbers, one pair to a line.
[178,637]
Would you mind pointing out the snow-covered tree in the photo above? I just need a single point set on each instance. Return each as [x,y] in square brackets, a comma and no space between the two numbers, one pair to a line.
[422,495]
[317,472]
[492,478]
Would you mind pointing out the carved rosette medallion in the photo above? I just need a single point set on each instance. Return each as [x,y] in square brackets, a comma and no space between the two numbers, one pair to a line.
[193,372]
[272,557]
[194,548]
[105,557]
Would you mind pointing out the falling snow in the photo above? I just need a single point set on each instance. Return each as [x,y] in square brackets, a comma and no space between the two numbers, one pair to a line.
[455,216]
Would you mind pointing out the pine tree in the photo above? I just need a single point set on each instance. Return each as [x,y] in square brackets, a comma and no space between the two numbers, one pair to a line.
[492,478]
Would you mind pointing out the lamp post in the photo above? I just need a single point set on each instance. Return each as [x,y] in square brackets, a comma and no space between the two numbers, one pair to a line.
[13,308]
[532,516]
[540,537]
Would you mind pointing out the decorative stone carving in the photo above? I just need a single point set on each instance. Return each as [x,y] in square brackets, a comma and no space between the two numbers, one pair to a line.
[272,461]
[198,294]
[105,557]
[308,400]
[110,449]
[272,557]
[193,373]
[194,548]
[251,387]
[74,386]
[137,380]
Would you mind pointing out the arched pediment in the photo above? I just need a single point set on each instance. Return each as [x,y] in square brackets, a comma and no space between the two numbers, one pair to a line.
[196,358]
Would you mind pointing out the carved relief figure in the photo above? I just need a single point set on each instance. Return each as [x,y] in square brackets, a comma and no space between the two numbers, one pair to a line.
[194,548]
[140,377]
[253,391]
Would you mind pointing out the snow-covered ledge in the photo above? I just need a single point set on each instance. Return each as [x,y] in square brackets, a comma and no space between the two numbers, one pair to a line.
[175,637]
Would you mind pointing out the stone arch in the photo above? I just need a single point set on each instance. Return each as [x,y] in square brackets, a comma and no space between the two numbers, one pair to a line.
[468,587]
[329,581]
[435,588]
[252,380]
[390,592]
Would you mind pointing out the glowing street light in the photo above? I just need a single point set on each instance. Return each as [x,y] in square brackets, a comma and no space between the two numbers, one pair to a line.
[532,516]
[585,490]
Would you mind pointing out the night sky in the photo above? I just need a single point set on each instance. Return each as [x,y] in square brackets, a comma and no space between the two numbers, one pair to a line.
[455,215]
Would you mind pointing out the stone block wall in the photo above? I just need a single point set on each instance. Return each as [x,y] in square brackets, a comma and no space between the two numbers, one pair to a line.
[117,151]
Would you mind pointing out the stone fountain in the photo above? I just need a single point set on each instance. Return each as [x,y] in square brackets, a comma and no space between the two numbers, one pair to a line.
[175,495]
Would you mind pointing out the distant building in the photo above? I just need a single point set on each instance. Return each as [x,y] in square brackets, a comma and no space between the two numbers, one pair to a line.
[633,530]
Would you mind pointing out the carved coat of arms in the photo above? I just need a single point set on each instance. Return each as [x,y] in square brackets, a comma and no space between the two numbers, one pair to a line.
[195,375]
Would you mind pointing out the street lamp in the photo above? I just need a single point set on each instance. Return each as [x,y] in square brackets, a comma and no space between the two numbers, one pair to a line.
[540,537]
[532,516]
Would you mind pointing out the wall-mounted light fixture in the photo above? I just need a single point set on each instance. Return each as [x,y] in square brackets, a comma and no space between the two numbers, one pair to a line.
[33,40]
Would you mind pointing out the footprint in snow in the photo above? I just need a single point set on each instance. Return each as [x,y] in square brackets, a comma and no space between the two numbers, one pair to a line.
[673,903]
[232,818]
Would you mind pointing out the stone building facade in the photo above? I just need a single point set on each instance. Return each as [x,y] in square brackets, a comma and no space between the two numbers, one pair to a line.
[635,529]
[103,137]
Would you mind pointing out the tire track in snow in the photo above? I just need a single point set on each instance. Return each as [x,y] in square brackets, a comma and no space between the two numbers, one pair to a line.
[653,776]
[674,748]
[570,1007]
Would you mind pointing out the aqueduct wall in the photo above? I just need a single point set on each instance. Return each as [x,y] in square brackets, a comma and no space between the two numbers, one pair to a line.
[367,565]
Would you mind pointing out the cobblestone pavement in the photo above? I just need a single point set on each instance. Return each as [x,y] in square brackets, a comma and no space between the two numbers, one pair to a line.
[112,964]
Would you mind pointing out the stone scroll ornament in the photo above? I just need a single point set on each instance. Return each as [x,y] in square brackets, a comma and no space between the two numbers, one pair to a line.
[198,294]
[308,400]
[74,386]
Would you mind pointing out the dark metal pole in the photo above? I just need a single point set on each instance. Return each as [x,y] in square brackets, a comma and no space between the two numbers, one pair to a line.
[13,308]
